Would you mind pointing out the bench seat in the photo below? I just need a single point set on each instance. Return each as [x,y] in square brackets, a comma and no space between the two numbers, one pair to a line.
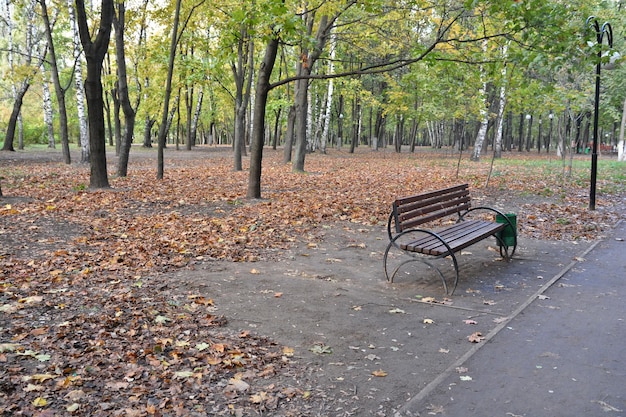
[458,237]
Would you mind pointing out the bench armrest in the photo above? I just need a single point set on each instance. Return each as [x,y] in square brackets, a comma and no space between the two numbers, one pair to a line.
[502,214]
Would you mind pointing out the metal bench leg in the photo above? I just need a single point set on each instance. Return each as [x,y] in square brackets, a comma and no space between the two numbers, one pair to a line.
[456,274]
[391,276]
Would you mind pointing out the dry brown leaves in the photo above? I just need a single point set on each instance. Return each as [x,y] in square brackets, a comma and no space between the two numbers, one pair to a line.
[88,328]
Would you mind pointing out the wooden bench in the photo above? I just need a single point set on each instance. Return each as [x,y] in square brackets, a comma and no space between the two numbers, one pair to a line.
[409,213]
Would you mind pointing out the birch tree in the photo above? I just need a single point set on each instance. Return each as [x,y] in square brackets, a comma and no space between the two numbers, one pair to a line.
[56,81]
[501,105]
[79,84]
[47,106]
[484,111]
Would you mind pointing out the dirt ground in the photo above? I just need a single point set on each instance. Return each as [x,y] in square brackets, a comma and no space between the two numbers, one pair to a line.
[358,345]
[369,346]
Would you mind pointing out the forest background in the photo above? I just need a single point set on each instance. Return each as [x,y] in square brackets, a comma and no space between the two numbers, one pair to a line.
[516,75]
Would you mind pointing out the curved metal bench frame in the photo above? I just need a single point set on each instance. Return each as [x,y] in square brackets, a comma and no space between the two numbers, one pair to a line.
[450,251]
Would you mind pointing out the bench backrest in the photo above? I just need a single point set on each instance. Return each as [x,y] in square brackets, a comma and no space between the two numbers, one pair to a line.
[418,209]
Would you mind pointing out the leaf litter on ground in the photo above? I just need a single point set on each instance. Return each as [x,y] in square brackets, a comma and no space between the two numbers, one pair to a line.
[110,318]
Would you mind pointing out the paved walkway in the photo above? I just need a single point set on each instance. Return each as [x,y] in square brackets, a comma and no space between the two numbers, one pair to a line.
[563,354]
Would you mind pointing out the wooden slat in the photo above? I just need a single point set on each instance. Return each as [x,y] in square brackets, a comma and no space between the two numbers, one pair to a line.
[424,196]
[458,237]
[418,209]
[453,232]
[432,201]
[416,221]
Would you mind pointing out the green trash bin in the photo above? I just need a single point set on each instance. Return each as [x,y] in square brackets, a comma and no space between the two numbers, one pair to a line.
[507,234]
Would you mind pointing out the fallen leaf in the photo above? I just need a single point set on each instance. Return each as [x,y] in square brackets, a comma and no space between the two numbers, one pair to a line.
[42,377]
[40,402]
[8,347]
[235,384]
[75,395]
[442,350]
[31,299]
[161,319]
[259,398]
[72,407]
[476,337]
[287,351]
[202,346]
[321,349]
[397,311]
[278,294]
[379,373]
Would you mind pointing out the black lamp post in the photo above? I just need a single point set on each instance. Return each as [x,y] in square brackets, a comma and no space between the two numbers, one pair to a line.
[600,32]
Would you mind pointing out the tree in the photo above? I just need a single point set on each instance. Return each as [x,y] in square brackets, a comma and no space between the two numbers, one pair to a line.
[258,130]
[27,70]
[95,50]
[58,88]
[119,22]
[168,92]
[79,84]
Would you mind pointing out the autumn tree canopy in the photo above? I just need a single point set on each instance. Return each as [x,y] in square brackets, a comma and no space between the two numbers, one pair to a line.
[370,73]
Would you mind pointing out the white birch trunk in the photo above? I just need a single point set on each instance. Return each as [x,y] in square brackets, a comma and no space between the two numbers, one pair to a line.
[309,123]
[80,89]
[621,148]
[329,98]
[196,114]
[47,106]
[500,119]
[319,125]
[484,113]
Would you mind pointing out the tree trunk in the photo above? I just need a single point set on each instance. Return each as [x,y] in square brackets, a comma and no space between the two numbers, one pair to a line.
[124,99]
[117,122]
[168,92]
[94,54]
[12,125]
[47,107]
[242,72]
[258,131]
[305,67]
[484,112]
[529,133]
[189,95]
[147,132]
[289,135]
[497,143]
[196,117]
[60,92]
[276,134]
[80,88]
[621,148]
[329,96]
